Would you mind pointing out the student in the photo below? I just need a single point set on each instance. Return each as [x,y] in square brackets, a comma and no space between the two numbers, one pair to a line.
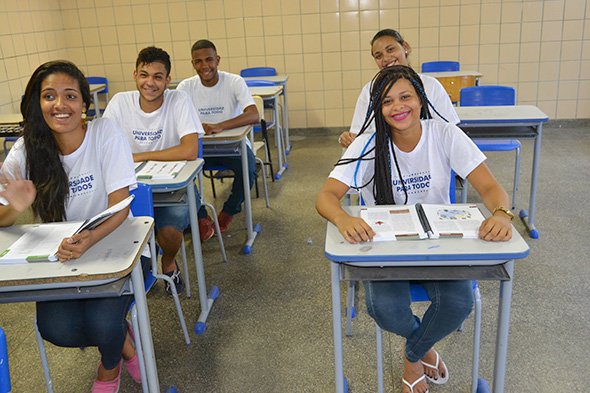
[223,102]
[389,48]
[58,154]
[408,142]
[161,125]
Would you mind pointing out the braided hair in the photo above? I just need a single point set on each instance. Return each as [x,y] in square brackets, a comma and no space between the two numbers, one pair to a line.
[380,86]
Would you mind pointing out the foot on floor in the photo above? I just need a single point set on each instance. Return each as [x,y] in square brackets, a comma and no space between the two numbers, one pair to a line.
[225,220]
[206,229]
[435,369]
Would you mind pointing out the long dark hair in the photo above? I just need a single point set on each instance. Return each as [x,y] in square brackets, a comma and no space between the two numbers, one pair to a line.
[380,86]
[44,166]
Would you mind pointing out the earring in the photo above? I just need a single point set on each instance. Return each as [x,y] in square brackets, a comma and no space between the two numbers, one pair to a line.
[84,115]
[406,52]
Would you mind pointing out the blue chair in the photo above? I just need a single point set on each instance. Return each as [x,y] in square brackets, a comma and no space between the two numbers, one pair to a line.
[5,386]
[258,71]
[104,92]
[440,66]
[493,95]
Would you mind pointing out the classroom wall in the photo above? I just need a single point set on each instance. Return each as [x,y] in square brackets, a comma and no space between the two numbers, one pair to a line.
[542,48]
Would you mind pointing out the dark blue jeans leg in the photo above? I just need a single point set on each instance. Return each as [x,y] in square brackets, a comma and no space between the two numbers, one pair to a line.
[88,323]
[233,205]
[388,302]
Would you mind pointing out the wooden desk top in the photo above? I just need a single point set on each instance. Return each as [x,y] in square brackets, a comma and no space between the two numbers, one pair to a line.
[108,260]
[265,91]
[274,78]
[445,74]
[10,119]
[235,134]
[94,87]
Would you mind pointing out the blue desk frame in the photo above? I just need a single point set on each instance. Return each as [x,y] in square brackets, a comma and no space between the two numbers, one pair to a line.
[185,182]
[441,259]
[230,143]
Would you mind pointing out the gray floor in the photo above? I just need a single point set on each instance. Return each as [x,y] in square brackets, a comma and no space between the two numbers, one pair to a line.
[270,329]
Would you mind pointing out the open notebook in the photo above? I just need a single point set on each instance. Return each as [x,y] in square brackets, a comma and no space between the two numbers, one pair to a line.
[158,170]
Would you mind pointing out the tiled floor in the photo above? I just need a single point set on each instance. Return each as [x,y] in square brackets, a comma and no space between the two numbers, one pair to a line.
[270,329]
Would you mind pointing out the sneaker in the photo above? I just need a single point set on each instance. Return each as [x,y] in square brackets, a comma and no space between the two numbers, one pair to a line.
[132,365]
[206,229]
[224,221]
[176,279]
[107,386]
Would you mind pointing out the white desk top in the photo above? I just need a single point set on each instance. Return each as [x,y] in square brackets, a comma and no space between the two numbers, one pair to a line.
[265,91]
[446,74]
[274,78]
[190,170]
[111,258]
[440,252]
[500,114]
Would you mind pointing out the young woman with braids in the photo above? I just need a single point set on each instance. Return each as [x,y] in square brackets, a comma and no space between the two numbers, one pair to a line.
[409,160]
[388,48]
[68,169]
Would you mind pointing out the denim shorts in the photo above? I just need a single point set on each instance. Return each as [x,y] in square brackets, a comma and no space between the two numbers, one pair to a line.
[172,216]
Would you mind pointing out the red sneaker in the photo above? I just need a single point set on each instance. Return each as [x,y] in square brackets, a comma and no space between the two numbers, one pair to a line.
[205,229]
[224,221]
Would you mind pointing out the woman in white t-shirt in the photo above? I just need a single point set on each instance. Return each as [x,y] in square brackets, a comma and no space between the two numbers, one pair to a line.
[409,160]
[389,48]
[69,170]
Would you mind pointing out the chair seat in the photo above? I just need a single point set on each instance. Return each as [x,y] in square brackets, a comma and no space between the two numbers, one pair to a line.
[257,146]
[497,144]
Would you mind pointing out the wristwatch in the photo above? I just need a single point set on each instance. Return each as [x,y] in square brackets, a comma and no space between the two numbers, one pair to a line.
[505,211]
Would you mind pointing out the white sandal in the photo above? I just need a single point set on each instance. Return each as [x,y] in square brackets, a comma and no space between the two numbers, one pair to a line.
[411,385]
[440,380]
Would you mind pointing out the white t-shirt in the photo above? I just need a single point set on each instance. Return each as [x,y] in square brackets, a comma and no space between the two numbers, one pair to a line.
[102,164]
[226,100]
[435,92]
[426,170]
[158,130]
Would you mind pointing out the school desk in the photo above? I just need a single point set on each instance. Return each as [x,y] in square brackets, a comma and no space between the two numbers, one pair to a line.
[440,259]
[271,94]
[181,191]
[282,81]
[516,121]
[448,74]
[229,143]
[109,268]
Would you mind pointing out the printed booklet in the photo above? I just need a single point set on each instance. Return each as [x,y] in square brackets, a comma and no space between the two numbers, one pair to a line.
[40,243]
[423,221]
[158,170]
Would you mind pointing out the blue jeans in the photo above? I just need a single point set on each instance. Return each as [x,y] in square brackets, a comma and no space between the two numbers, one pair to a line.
[388,303]
[88,323]
[174,216]
[233,205]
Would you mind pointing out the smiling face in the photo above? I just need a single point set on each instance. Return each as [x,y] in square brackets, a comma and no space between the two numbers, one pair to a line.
[62,104]
[401,108]
[387,51]
[205,61]
[151,80]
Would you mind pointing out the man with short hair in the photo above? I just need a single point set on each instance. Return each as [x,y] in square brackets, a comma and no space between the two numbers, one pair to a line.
[161,125]
[223,101]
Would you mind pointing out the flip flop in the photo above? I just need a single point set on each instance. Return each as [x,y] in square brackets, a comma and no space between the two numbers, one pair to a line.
[439,380]
[411,385]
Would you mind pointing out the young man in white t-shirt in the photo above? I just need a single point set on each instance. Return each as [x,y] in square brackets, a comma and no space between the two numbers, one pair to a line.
[223,102]
[160,125]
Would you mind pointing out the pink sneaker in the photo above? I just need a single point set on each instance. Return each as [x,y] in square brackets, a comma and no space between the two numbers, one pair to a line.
[132,365]
[107,386]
